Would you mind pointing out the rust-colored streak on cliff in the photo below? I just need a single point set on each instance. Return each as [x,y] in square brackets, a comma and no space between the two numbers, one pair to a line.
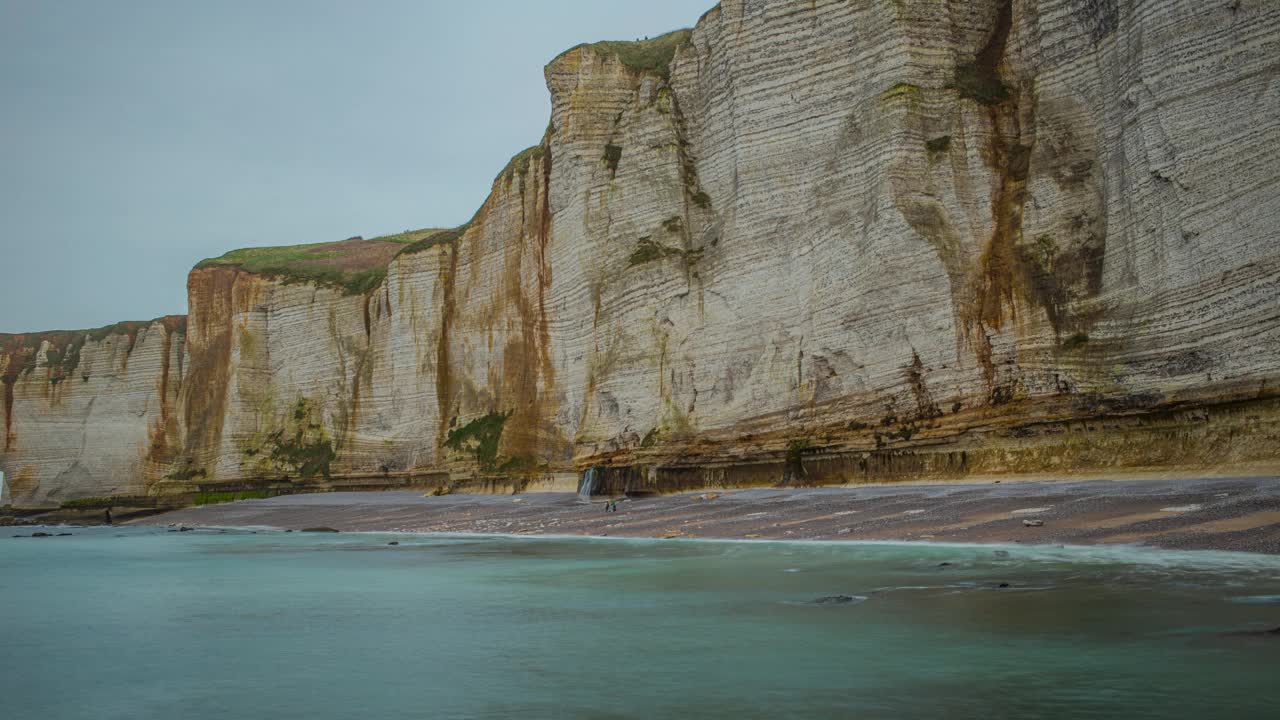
[448,258]
[159,435]
[543,327]
[999,273]
[212,295]
[1013,268]
[528,374]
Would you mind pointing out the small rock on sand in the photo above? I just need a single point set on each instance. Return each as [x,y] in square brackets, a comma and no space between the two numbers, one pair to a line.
[835,600]
[1272,633]
[1033,523]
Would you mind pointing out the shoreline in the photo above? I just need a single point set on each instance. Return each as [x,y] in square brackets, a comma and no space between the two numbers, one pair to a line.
[1228,514]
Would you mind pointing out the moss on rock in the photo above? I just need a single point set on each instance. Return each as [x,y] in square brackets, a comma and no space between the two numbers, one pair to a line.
[480,437]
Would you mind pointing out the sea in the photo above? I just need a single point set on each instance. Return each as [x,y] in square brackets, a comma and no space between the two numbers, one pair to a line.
[134,622]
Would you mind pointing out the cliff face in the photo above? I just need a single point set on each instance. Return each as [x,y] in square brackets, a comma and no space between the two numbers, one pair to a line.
[90,413]
[802,242]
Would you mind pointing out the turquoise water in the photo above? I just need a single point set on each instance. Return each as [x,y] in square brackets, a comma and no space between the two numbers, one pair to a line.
[140,623]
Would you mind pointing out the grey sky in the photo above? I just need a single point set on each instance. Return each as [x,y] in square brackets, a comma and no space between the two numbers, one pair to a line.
[140,136]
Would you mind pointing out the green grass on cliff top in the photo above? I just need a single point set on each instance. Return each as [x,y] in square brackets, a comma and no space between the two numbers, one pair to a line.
[353,266]
[651,55]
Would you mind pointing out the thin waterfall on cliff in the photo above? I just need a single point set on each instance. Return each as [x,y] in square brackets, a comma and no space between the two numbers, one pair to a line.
[588,485]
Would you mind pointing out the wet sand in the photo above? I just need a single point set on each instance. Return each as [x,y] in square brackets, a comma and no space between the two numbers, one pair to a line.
[1240,514]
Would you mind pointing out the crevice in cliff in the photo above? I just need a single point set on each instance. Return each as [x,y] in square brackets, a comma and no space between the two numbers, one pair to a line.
[159,450]
[692,185]
[1001,278]
[209,342]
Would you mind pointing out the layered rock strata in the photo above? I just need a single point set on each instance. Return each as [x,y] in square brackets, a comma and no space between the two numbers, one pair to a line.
[802,242]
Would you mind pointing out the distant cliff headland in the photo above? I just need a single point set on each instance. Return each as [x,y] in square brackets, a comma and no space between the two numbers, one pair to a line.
[800,243]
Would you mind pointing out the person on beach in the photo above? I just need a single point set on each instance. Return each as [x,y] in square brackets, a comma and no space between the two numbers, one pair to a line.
[107,518]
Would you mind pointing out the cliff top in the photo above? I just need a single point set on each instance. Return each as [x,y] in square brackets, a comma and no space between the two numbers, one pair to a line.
[354,265]
[18,351]
[648,55]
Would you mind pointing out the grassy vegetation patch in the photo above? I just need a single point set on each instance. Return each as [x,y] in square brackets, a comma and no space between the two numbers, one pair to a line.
[215,498]
[980,84]
[91,503]
[650,438]
[406,237]
[302,447]
[187,472]
[440,237]
[899,90]
[796,448]
[292,443]
[353,266]
[612,156]
[1075,342]
[647,251]
[653,55]
[480,437]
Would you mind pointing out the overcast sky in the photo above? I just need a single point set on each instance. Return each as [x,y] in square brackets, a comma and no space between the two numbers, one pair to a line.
[139,136]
